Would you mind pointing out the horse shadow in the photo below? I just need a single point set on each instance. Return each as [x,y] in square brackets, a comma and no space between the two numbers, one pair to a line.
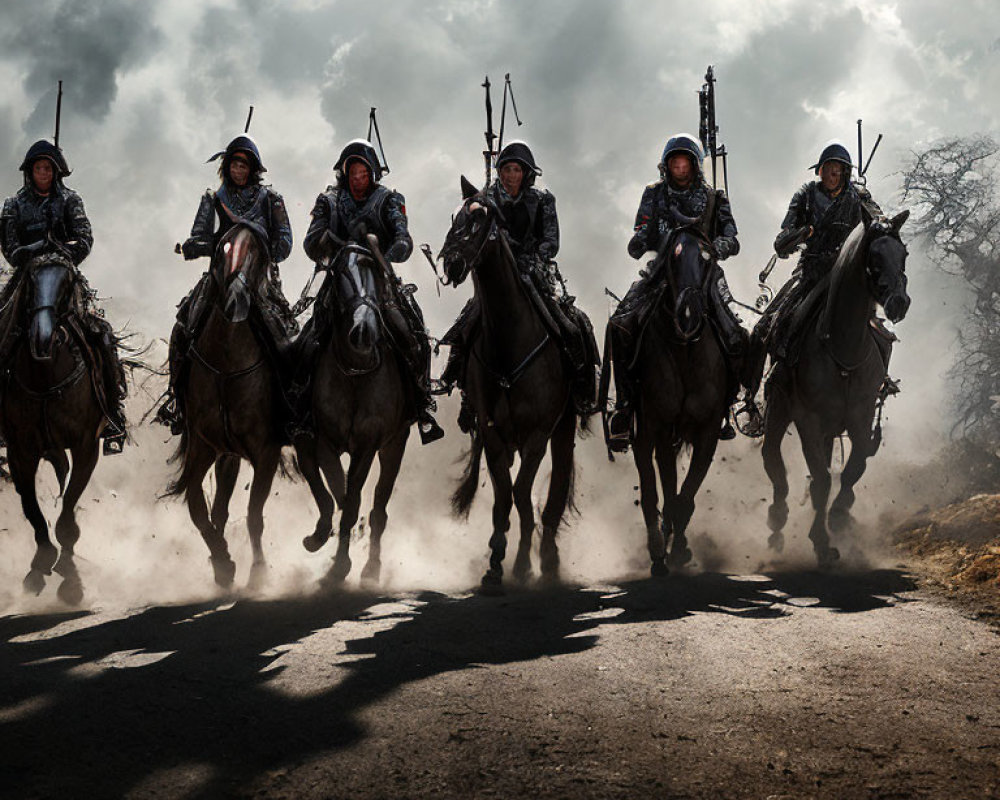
[206,697]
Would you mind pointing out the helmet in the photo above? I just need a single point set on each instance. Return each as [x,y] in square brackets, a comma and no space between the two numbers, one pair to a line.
[520,152]
[683,143]
[43,148]
[241,144]
[833,151]
[359,150]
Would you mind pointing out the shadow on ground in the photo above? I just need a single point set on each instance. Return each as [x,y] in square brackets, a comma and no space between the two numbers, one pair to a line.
[208,701]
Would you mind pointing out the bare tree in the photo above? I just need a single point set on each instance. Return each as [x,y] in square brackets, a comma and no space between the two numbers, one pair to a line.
[951,187]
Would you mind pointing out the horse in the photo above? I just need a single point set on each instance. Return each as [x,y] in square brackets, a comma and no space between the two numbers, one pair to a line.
[233,403]
[834,386]
[519,385]
[682,376]
[362,404]
[52,402]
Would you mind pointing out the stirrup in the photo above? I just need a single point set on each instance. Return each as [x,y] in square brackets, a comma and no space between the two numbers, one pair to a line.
[439,386]
[727,433]
[429,429]
[113,444]
[754,424]
[619,430]
[889,387]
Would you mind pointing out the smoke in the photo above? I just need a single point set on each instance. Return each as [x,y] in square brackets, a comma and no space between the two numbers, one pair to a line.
[152,92]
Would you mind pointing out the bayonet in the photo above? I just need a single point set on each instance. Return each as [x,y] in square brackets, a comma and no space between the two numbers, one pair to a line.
[246,128]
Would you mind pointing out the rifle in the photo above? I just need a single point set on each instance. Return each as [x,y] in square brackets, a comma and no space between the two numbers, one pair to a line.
[708,129]
[373,125]
[862,164]
[489,152]
[58,115]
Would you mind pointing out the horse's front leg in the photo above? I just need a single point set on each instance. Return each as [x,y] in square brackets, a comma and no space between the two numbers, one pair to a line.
[23,471]
[260,488]
[776,421]
[682,507]
[357,474]
[531,458]
[499,469]
[390,458]
[817,451]
[67,530]
[642,452]
[857,462]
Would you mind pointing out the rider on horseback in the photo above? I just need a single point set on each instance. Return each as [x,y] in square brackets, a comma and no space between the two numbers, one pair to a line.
[528,217]
[356,206]
[241,198]
[47,217]
[680,198]
[821,215]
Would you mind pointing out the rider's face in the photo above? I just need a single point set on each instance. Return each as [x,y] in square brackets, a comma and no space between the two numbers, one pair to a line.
[512,176]
[358,179]
[679,167]
[41,175]
[239,170]
[831,174]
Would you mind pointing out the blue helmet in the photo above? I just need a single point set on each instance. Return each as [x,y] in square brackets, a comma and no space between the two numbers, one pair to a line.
[359,150]
[43,148]
[834,151]
[241,144]
[683,143]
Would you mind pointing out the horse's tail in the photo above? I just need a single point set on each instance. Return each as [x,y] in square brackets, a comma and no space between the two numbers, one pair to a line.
[180,484]
[461,500]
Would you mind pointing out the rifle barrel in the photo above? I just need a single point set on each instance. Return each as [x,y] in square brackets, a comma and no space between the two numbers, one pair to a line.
[58,114]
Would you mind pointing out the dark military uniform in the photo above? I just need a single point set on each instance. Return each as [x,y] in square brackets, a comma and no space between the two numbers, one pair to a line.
[32,225]
[664,207]
[261,208]
[532,229]
[821,220]
[382,212]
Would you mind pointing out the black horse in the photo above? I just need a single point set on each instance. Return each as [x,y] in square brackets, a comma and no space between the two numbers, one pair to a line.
[233,403]
[682,377]
[53,401]
[362,405]
[834,386]
[519,385]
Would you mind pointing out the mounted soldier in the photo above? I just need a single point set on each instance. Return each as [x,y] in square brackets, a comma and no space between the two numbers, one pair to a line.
[527,215]
[46,220]
[681,198]
[347,212]
[240,198]
[821,215]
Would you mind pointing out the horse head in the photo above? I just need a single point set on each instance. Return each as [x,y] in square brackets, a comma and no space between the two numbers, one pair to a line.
[51,277]
[686,256]
[472,224]
[239,267]
[356,274]
[886,265]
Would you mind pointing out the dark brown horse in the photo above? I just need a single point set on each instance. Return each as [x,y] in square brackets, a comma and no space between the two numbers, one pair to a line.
[232,401]
[834,385]
[682,399]
[362,405]
[51,404]
[519,385]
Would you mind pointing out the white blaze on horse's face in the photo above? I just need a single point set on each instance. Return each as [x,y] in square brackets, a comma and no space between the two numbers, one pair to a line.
[475,206]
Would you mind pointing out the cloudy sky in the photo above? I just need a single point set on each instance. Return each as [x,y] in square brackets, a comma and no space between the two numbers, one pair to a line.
[151,90]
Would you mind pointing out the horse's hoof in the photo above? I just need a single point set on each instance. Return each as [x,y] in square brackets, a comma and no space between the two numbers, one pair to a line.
[659,568]
[840,520]
[491,585]
[827,557]
[372,573]
[776,541]
[338,572]
[678,558]
[225,571]
[521,572]
[70,591]
[258,577]
[45,558]
[777,516]
[314,542]
[34,582]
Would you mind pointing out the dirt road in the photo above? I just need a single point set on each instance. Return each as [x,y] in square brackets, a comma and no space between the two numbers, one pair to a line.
[795,684]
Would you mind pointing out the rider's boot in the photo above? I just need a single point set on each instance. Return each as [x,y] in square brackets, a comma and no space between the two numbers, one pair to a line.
[115,387]
[170,412]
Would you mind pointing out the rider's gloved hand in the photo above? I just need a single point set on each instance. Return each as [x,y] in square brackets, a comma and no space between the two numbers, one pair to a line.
[723,247]
[397,252]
